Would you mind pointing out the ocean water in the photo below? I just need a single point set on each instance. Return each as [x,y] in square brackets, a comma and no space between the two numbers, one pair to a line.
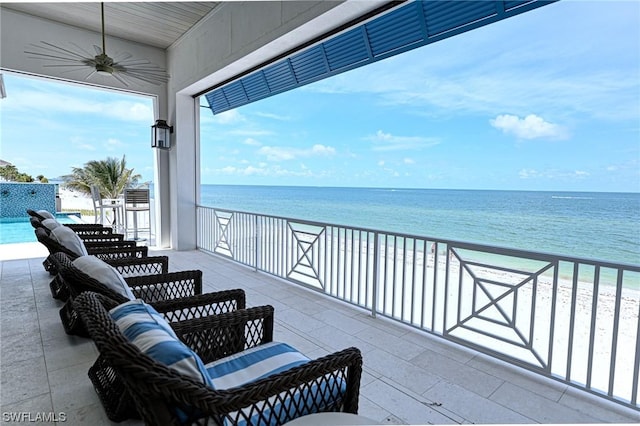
[602,226]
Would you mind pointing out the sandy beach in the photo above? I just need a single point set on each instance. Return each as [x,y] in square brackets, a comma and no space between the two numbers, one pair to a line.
[74,200]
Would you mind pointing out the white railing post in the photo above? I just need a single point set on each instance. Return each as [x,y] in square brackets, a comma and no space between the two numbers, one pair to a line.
[376,274]
[258,242]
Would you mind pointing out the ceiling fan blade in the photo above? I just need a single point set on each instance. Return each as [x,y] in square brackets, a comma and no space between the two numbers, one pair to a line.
[91,74]
[134,62]
[72,70]
[64,65]
[60,58]
[81,49]
[58,49]
[122,56]
[142,77]
[120,79]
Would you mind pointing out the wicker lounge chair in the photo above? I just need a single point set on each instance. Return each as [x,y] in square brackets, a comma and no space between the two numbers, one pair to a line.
[151,288]
[104,250]
[90,234]
[129,267]
[163,395]
[80,228]
[113,395]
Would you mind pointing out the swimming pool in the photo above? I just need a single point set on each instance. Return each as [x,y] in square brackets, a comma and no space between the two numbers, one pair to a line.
[19,230]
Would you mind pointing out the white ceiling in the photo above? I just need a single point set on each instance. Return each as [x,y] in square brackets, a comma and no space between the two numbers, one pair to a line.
[157,24]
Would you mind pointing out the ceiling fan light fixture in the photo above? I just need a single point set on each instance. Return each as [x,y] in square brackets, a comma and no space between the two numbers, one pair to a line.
[105,70]
[104,64]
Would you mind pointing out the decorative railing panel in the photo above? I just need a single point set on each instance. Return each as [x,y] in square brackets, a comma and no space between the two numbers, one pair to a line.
[571,319]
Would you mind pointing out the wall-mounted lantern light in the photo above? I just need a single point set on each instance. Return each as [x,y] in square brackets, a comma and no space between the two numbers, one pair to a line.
[161,135]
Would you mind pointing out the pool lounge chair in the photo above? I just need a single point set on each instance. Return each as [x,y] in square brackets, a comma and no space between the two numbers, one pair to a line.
[166,394]
[104,250]
[77,227]
[109,252]
[182,300]
[151,288]
[89,234]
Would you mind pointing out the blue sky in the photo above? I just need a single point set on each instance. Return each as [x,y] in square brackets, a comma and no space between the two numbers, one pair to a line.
[50,127]
[548,100]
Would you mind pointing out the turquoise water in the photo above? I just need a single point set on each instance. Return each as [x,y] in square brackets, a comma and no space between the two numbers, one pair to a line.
[19,229]
[602,226]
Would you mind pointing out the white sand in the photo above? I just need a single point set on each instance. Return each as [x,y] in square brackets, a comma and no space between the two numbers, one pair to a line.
[74,200]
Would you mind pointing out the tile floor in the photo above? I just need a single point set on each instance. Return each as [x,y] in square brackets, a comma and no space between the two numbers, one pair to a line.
[409,377]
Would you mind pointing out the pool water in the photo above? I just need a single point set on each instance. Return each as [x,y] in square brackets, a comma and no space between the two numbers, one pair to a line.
[19,230]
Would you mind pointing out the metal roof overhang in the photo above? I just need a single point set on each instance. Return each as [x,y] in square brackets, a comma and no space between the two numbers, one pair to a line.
[407,27]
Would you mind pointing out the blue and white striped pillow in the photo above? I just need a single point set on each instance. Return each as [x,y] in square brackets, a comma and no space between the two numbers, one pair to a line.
[146,329]
[253,364]
[263,361]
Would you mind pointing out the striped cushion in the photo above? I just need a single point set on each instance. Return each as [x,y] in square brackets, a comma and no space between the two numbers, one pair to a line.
[105,274]
[253,364]
[69,239]
[146,329]
[263,361]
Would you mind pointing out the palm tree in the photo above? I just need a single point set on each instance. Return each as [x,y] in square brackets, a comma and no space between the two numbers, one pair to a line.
[111,176]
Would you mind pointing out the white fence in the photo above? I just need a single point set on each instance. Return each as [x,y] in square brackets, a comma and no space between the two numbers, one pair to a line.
[575,320]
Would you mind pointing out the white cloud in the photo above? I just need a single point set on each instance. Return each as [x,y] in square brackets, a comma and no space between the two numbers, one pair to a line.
[113,144]
[249,133]
[277,153]
[528,173]
[409,161]
[251,142]
[273,116]
[387,142]
[323,150]
[80,143]
[131,111]
[274,153]
[261,170]
[381,163]
[35,101]
[553,174]
[229,117]
[530,127]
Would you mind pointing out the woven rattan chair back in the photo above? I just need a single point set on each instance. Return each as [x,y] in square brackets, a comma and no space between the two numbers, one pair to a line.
[155,388]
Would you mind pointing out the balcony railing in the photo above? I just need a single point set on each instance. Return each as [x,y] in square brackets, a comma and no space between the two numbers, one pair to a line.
[574,320]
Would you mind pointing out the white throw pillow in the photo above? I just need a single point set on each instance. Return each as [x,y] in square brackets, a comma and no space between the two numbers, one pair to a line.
[105,274]
[50,224]
[45,214]
[69,239]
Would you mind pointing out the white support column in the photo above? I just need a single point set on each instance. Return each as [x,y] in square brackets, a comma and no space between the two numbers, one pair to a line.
[161,195]
[183,170]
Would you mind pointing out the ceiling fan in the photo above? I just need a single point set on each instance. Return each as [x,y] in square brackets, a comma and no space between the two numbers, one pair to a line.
[121,67]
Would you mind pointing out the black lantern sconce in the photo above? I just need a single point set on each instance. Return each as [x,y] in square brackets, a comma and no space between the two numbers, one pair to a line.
[161,135]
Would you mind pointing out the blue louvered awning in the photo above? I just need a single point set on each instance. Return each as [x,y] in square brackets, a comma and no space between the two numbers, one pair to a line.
[410,26]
